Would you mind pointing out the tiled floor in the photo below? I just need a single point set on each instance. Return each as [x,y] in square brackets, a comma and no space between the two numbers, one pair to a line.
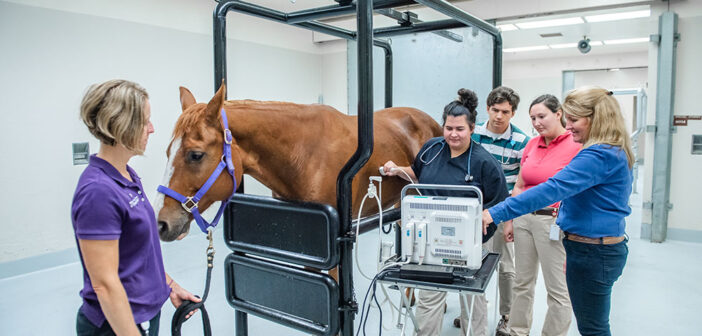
[656,295]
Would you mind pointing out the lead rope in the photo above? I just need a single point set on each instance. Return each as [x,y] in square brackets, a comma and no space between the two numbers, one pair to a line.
[179,317]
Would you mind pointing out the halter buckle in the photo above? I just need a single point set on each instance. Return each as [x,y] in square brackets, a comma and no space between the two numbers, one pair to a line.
[189,204]
[228,136]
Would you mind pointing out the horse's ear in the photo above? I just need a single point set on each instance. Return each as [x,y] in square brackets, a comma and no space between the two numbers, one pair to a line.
[186,98]
[215,104]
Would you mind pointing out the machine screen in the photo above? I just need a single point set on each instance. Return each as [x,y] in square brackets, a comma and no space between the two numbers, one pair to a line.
[448,231]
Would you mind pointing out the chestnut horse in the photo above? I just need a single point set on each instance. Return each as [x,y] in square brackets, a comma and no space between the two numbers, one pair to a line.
[295,150]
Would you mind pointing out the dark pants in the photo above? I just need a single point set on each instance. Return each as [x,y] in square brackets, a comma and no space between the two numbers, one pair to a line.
[591,270]
[86,328]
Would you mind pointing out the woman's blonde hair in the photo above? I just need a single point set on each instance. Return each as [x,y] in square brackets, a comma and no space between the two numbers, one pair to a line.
[114,113]
[606,120]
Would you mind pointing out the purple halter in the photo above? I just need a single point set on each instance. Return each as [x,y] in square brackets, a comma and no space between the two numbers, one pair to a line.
[190,204]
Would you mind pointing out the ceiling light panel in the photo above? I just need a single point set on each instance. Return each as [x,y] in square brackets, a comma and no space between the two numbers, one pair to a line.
[563,45]
[532,48]
[550,23]
[618,16]
[627,41]
[506,27]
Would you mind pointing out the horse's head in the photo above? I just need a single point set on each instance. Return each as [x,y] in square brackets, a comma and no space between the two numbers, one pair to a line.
[193,154]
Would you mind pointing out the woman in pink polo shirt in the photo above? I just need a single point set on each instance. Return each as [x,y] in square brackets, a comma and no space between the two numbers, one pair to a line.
[537,238]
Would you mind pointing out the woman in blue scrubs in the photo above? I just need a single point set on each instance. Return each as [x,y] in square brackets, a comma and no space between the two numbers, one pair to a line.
[455,160]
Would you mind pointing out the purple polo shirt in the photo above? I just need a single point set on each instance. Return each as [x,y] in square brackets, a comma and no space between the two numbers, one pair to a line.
[107,206]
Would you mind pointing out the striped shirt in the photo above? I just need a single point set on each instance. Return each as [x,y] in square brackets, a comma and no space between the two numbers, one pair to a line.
[507,148]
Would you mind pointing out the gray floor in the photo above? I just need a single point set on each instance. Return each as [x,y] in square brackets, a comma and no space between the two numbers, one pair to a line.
[655,295]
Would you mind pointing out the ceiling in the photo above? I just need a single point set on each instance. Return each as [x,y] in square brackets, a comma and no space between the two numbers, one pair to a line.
[519,11]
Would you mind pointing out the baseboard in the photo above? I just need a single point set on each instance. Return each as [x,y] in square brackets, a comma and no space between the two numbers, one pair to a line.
[37,263]
[694,236]
[646,231]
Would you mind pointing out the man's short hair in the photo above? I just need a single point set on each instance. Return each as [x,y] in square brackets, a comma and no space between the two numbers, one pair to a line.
[502,94]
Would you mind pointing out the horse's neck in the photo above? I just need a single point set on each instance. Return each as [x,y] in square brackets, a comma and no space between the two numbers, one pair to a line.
[271,142]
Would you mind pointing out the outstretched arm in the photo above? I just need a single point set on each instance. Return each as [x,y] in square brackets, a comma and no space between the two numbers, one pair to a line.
[587,169]
[392,169]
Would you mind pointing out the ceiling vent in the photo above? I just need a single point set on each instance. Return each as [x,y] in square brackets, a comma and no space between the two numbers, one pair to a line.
[551,35]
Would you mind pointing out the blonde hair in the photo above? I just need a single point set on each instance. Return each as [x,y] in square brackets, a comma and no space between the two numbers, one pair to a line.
[114,113]
[606,120]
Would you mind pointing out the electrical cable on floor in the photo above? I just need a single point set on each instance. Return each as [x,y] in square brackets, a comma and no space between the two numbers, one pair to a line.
[364,312]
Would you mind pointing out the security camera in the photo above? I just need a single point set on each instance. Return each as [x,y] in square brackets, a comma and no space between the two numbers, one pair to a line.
[584,45]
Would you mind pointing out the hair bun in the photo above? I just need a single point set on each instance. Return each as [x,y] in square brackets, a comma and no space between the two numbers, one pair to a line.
[468,98]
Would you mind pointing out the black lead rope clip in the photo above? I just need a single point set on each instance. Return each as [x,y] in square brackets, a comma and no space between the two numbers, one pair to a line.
[179,317]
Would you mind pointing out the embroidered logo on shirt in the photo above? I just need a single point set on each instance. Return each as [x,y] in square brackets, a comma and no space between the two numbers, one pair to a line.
[134,201]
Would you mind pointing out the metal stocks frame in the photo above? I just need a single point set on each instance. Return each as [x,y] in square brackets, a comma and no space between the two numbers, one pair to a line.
[331,321]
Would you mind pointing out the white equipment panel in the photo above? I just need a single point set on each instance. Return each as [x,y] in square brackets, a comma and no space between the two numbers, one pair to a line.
[445,231]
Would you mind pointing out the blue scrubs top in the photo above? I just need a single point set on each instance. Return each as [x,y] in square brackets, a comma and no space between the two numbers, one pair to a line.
[434,165]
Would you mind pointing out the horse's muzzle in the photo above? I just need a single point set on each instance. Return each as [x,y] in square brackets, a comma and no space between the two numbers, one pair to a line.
[169,233]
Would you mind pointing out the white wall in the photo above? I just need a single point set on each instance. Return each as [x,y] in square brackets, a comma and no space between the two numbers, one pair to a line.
[52,51]
[334,74]
[632,78]
[534,77]
[684,221]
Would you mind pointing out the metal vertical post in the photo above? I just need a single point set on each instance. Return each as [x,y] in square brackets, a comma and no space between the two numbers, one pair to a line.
[219,35]
[241,323]
[360,157]
[497,61]
[387,48]
[665,93]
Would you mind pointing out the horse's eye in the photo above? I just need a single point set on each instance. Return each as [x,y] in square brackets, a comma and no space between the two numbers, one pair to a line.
[195,156]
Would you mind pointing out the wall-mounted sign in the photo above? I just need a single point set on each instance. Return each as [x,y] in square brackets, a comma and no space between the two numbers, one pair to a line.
[681,120]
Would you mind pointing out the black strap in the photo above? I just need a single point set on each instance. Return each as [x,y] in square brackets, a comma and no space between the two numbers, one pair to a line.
[179,317]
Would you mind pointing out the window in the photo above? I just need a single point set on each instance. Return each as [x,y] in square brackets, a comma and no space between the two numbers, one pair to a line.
[697,144]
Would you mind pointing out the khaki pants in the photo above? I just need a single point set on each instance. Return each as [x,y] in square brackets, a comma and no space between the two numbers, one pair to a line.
[430,310]
[430,314]
[533,246]
[505,269]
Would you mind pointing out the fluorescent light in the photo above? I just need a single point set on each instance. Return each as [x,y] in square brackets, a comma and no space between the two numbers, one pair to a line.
[550,23]
[507,27]
[627,41]
[595,43]
[564,45]
[541,47]
[618,16]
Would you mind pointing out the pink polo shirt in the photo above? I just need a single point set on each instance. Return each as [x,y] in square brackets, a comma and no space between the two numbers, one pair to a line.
[540,162]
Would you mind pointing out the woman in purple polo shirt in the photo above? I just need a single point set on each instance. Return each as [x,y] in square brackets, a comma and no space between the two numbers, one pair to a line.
[125,284]
[594,188]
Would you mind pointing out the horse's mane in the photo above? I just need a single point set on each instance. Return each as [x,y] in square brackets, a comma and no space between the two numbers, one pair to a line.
[195,114]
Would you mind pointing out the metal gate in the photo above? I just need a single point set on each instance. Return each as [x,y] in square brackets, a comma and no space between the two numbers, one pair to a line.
[271,240]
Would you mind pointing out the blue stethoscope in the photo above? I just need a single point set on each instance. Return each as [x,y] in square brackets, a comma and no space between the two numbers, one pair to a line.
[469,177]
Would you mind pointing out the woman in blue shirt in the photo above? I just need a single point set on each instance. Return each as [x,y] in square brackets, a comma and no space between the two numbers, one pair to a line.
[455,160]
[594,189]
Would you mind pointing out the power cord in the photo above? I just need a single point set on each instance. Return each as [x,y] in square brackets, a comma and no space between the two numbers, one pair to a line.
[373,193]
[364,312]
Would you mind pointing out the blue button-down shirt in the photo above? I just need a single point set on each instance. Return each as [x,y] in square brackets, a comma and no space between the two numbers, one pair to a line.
[594,189]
